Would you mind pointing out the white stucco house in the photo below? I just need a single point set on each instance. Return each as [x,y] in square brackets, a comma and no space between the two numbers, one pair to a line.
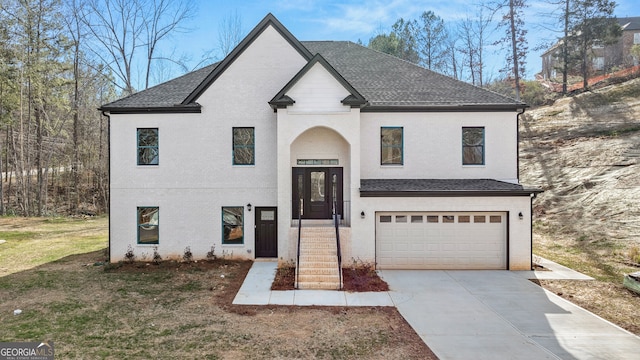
[421,169]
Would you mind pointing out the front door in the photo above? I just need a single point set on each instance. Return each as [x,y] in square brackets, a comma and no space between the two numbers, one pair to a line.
[266,232]
[316,191]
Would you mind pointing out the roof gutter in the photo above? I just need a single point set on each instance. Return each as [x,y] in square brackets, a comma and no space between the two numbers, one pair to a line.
[448,193]
[178,109]
[444,108]
[521,112]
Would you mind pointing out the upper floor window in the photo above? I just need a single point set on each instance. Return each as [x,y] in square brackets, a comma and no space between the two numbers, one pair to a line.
[148,225]
[148,146]
[473,146]
[244,151]
[636,38]
[391,143]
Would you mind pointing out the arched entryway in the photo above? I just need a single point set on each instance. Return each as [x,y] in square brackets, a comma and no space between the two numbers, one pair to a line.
[320,165]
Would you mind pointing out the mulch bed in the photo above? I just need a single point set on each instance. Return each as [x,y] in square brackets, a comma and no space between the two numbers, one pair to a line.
[358,279]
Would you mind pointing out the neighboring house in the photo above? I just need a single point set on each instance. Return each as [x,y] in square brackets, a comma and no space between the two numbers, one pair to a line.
[422,168]
[604,57]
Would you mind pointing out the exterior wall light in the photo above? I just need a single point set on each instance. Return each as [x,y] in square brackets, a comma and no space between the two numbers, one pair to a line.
[249,208]
[520,216]
[362,214]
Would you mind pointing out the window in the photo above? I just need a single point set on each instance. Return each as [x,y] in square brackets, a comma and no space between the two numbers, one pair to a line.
[385,218]
[317,161]
[636,38]
[432,218]
[479,219]
[416,219]
[243,146]
[448,219]
[391,146]
[495,219]
[401,218]
[232,224]
[148,226]
[148,146]
[464,219]
[472,146]
[598,63]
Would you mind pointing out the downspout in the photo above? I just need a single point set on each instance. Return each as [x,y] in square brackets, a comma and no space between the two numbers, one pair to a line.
[533,195]
[518,143]
[104,113]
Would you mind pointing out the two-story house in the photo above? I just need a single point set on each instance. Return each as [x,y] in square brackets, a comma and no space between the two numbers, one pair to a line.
[603,57]
[421,169]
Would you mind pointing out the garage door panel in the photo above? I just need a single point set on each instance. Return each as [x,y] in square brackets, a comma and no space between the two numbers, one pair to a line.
[431,240]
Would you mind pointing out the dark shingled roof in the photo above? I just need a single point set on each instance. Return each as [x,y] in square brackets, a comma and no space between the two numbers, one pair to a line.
[386,82]
[441,187]
[630,23]
[166,95]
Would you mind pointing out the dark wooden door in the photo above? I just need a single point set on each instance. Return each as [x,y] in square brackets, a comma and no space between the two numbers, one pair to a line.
[317,188]
[266,232]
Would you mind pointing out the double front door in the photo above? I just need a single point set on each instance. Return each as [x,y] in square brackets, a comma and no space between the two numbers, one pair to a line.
[317,192]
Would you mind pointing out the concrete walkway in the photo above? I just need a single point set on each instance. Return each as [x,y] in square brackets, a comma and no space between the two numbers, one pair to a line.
[256,291]
[473,314]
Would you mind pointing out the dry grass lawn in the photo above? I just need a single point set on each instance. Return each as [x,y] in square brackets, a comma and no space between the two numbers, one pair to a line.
[169,311]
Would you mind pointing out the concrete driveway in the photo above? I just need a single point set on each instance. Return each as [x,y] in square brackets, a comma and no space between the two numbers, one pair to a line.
[501,315]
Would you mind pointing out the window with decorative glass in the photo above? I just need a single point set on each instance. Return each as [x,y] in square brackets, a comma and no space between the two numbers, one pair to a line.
[243,146]
[391,143]
[148,146]
[473,146]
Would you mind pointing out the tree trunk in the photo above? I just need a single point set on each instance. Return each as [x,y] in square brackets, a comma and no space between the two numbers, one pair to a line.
[39,175]
[516,70]
[565,48]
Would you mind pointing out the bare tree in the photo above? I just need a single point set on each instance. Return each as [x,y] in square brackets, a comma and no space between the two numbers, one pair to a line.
[121,28]
[593,24]
[431,36]
[229,33]
[515,39]
[166,17]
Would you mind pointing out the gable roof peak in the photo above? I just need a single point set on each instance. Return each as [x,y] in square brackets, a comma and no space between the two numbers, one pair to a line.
[353,99]
[269,20]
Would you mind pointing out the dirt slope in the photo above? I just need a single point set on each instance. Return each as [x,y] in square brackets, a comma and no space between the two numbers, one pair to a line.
[584,151]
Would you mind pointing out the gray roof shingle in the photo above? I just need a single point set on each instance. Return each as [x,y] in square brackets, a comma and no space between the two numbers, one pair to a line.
[630,23]
[441,187]
[386,82]
[166,95]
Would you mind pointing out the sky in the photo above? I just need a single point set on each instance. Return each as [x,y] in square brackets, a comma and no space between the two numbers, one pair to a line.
[357,20]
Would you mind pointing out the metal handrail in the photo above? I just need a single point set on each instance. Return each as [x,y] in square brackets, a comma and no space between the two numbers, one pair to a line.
[299,233]
[336,222]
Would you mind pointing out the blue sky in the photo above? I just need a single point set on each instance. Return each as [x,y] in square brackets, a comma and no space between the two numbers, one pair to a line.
[354,20]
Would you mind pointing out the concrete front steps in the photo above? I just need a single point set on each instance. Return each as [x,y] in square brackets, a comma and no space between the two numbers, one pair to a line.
[318,267]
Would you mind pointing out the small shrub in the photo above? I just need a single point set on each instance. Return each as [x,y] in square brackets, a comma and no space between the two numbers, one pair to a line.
[130,256]
[634,254]
[156,255]
[211,254]
[187,256]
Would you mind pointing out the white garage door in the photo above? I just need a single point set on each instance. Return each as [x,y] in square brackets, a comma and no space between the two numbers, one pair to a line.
[432,240]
